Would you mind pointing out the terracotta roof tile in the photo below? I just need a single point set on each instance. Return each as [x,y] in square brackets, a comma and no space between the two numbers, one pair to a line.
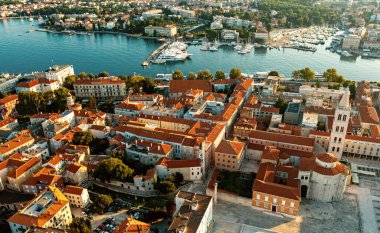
[230,147]
[181,86]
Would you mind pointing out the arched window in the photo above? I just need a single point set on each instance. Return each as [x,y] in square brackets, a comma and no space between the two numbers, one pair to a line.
[335,139]
[344,117]
[339,117]
[341,129]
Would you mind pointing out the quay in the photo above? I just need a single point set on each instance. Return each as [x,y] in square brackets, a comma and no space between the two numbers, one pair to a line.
[155,53]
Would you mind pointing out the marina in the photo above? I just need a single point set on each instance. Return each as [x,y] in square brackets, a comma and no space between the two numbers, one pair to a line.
[119,54]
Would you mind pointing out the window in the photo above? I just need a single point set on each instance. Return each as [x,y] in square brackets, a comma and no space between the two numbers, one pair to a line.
[339,117]
[257,203]
[258,196]
[292,204]
[266,198]
[344,117]
[283,202]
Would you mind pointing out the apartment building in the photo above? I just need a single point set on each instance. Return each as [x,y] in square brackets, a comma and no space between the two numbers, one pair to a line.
[148,152]
[18,144]
[59,72]
[9,123]
[78,196]
[76,173]
[8,82]
[8,106]
[178,87]
[229,154]
[167,31]
[243,128]
[100,88]
[198,211]
[49,209]
[40,85]
[42,180]
[351,42]
[277,189]
[16,170]
[191,169]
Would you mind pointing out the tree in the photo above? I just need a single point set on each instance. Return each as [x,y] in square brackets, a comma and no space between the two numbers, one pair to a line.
[80,225]
[81,75]
[165,187]
[295,74]
[30,102]
[69,81]
[219,75]
[113,168]
[204,75]
[191,76]
[148,85]
[330,75]
[321,126]
[82,138]
[178,75]
[178,178]
[107,106]
[318,84]
[91,103]
[103,74]
[281,104]
[134,82]
[307,74]
[274,73]
[235,73]
[102,202]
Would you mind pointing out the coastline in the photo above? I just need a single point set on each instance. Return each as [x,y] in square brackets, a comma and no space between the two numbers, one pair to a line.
[96,32]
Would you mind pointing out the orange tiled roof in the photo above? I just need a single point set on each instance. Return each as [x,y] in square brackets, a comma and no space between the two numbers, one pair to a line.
[179,163]
[73,190]
[73,168]
[16,173]
[230,147]
[181,86]
[368,115]
[8,99]
[15,143]
[7,121]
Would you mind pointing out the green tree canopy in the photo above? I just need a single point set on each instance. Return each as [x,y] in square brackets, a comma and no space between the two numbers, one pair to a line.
[82,138]
[102,202]
[178,75]
[113,168]
[204,75]
[307,74]
[235,73]
[80,225]
[219,74]
[331,75]
[69,82]
[165,186]
[103,74]
[273,73]
[91,103]
[191,76]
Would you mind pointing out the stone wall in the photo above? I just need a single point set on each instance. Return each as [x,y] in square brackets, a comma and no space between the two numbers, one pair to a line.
[229,197]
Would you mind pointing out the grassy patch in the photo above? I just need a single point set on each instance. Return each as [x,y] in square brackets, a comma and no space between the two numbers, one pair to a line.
[236,182]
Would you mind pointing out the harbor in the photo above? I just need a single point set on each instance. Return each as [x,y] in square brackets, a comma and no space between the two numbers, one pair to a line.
[171,51]
[120,54]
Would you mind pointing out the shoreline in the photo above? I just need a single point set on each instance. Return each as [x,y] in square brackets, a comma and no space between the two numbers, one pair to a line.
[96,32]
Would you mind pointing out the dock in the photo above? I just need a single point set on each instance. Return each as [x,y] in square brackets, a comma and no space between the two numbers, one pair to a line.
[156,52]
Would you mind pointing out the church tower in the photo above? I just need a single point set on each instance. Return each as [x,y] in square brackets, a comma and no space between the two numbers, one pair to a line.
[339,126]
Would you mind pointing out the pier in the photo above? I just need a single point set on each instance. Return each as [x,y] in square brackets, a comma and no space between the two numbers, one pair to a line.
[155,53]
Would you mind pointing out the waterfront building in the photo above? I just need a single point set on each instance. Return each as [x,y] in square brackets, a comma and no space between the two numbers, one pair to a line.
[262,35]
[229,35]
[100,88]
[229,154]
[40,85]
[193,213]
[8,106]
[323,178]
[167,31]
[59,72]
[49,209]
[8,82]
[351,42]
[277,189]
[78,196]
